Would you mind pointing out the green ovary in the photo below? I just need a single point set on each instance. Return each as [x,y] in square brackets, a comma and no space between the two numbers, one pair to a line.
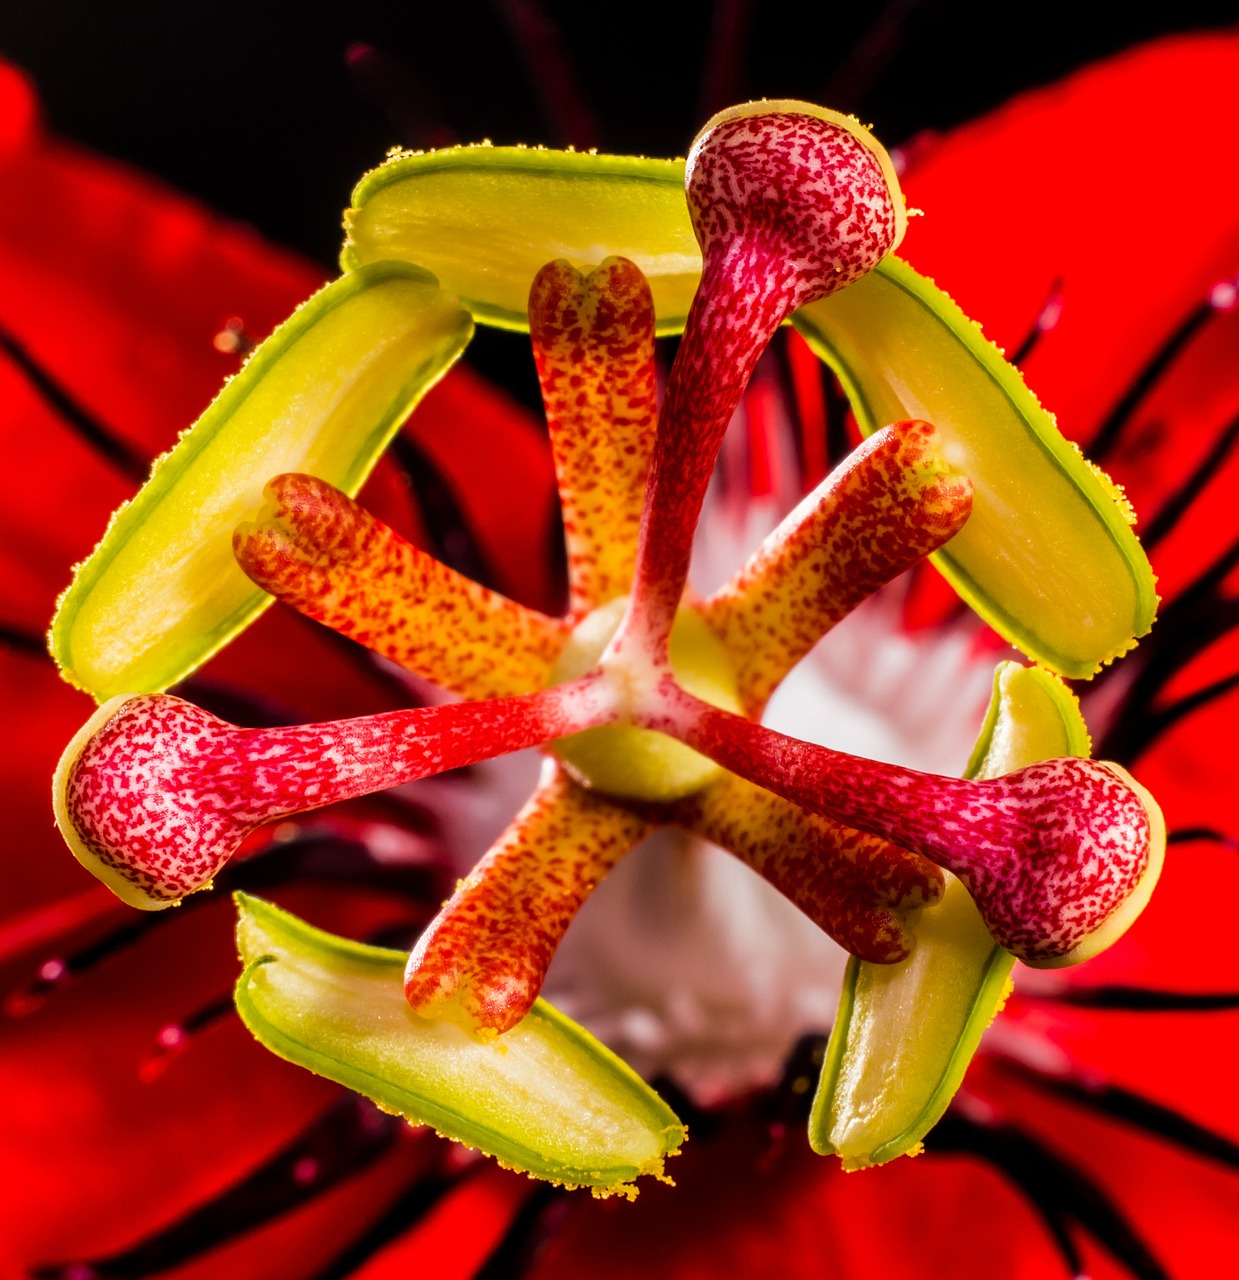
[641,764]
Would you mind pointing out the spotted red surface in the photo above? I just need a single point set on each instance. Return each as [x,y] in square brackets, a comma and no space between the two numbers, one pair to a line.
[1048,853]
[165,792]
[317,550]
[855,886]
[788,208]
[887,506]
[593,342]
[490,946]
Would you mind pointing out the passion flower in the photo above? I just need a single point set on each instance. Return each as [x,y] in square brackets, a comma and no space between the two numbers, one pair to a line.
[790,205]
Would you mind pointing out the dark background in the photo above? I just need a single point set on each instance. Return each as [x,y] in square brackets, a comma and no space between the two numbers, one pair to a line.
[254,109]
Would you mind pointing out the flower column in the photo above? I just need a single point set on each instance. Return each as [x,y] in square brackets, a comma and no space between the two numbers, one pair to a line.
[790,203]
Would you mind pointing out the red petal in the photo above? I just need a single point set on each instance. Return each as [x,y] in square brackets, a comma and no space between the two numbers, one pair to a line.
[742,1206]
[1116,182]
[117,287]
[1116,185]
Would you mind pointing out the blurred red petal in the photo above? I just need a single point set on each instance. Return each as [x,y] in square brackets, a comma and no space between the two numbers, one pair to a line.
[495,456]
[1118,182]
[117,287]
[1114,188]
[742,1207]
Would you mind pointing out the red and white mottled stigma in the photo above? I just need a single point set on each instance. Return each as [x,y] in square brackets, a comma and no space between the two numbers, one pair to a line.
[789,203]
[1059,857]
[156,794]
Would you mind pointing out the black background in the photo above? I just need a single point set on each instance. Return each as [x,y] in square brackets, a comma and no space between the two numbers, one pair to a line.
[252,108]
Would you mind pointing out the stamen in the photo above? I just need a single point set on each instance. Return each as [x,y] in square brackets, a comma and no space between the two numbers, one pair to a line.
[892,503]
[484,957]
[317,550]
[593,341]
[154,795]
[789,204]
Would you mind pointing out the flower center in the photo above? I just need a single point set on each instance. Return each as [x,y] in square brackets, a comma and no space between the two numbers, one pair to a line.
[641,764]
[689,966]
